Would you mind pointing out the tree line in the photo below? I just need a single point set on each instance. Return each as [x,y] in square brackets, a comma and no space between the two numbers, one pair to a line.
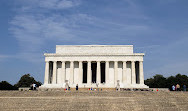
[158,81]
[25,81]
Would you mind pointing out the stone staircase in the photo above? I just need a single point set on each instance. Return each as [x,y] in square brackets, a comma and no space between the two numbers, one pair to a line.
[94,100]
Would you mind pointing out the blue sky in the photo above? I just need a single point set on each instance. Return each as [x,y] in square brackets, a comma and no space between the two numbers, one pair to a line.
[28,28]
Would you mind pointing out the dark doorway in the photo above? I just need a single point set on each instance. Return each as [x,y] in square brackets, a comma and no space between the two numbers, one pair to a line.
[84,72]
[102,72]
[50,71]
[137,72]
[94,72]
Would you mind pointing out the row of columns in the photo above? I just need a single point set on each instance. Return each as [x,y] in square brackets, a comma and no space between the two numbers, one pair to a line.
[61,77]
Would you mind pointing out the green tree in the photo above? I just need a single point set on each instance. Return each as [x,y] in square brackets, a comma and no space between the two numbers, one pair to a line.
[4,85]
[158,81]
[149,82]
[170,82]
[182,79]
[26,81]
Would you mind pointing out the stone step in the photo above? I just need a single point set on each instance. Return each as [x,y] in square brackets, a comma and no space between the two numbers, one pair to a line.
[87,100]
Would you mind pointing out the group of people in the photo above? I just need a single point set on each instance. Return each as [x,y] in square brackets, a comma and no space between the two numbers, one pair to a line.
[90,89]
[174,87]
[178,88]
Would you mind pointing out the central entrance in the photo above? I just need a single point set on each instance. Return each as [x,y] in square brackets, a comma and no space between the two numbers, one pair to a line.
[94,72]
[84,73]
[102,72]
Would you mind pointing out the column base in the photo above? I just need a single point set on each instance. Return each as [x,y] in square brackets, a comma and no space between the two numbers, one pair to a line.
[53,86]
[135,86]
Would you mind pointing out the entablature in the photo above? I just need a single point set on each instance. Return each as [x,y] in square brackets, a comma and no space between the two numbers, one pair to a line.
[78,55]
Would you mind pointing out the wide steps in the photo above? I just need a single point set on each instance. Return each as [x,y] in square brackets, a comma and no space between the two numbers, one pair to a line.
[93,100]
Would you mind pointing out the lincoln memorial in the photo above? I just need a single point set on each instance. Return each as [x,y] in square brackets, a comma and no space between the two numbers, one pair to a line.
[103,66]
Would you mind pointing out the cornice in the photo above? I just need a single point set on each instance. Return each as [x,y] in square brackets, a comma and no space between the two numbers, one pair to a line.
[86,55]
[94,45]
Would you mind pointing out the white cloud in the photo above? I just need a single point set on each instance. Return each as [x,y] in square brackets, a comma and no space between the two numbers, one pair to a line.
[43,5]
[34,31]
[31,57]
[36,24]
[33,28]
[58,4]
[2,57]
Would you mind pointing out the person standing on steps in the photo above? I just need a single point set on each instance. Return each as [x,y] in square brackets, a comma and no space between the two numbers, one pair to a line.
[173,88]
[178,87]
[97,86]
[76,86]
[34,86]
[184,87]
[31,87]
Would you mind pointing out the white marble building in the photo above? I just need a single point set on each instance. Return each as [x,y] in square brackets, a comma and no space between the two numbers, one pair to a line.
[103,66]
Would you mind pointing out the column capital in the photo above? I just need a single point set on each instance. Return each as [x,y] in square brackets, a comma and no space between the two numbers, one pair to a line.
[124,61]
[54,61]
[140,61]
[63,61]
[133,61]
[47,61]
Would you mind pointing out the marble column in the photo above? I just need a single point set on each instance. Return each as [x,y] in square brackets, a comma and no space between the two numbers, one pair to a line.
[133,72]
[141,72]
[124,72]
[89,72]
[71,72]
[107,72]
[80,72]
[98,72]
[115,72]
[58,75]
[46,78]
[54,72]
[63,77]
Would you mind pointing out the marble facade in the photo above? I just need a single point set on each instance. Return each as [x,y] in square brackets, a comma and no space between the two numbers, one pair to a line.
[103,66]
